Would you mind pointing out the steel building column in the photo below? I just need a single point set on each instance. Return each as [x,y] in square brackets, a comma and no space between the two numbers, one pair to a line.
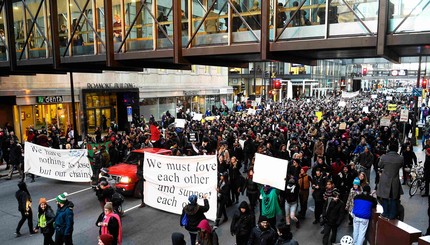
[75,127]
[382,32]
[265,30]
[53,9]
[10,35]
[110,56]
[177,32]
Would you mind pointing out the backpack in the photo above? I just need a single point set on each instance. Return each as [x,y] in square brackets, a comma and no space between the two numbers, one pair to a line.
[184,220]
[117,199]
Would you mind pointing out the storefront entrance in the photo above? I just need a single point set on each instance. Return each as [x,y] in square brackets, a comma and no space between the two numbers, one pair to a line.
[102,107]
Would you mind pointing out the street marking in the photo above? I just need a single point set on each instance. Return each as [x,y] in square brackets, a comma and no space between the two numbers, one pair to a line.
[131,208]
[73,193]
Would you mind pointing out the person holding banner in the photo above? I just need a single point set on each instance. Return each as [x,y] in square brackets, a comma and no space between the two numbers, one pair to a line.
[194,213]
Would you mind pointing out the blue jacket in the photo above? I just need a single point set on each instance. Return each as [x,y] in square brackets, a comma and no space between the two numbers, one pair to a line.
[363,205]
[64,219]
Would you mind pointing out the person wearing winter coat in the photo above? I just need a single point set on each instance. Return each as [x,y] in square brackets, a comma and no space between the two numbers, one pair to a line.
[195,213]
[409,159]
[349,205]
[363,205]
[305,182]
[223,192]
[24,207]
[252,191]
[206,234]
[15,158]
[389,188]
[263,233]
[45,222]
[291,201]
[110,223]
[285,235]
[333,211]
[318,189]
[64,220]
[242,224]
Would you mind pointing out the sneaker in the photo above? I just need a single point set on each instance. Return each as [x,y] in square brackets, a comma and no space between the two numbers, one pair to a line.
[142,205]
[17,234]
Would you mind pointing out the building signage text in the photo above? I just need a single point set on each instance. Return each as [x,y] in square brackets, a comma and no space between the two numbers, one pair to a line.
[49,99]
[110,85]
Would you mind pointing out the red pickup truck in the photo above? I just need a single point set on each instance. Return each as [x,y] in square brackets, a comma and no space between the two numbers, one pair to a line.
[124,173]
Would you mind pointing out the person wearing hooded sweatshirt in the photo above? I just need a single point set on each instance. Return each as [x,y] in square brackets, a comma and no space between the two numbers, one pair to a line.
[262,234]
[269,204]
[45,222]
[178,239]
[195,213]
[110,223]
[285,235]
[291,202]
[363,205]
[206,235]
[242,224]
[64,220]
[24,207]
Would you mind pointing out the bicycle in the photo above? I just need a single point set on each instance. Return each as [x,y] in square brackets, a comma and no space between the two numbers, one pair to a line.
[418,182]
[413,173]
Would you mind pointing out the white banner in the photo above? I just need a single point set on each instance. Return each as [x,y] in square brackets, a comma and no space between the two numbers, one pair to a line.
[171,180]
[180,123]
[66,165]
[197,117]
[349,95]
[270,171]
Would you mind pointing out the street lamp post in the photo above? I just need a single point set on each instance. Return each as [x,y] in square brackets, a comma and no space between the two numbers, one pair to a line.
[416,114]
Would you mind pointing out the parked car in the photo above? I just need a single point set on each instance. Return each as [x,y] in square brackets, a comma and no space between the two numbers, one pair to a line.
[125,173]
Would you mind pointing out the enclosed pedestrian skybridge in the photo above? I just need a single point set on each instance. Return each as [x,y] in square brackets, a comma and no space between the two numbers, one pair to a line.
[52,36]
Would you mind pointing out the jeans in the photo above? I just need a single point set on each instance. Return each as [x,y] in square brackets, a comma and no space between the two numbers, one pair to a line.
[390,208]
[303,197]
[360,228]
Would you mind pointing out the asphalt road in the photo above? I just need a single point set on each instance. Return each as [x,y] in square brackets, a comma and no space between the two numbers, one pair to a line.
[148,225]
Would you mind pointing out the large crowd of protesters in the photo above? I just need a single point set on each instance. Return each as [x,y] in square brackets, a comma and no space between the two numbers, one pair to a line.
[330,158]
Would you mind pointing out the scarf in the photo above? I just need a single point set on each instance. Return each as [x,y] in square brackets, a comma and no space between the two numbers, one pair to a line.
[105,228]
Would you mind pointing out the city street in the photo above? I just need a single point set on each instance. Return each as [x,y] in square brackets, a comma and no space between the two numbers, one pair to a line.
[148,225]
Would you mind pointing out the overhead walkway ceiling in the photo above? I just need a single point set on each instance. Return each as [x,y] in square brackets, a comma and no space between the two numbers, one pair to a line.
[49,36]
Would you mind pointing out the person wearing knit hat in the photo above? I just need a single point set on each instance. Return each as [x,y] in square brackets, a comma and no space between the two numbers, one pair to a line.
[205,234]
[62,198]
[64,220]
[105,239]
[194,214]
[356,181]
[45,220]
[263,226]
[333,206]
[110,223]
[349,205]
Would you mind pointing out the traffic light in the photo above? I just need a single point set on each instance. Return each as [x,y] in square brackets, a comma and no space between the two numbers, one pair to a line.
[424,83]
[277,84]
[364,71]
